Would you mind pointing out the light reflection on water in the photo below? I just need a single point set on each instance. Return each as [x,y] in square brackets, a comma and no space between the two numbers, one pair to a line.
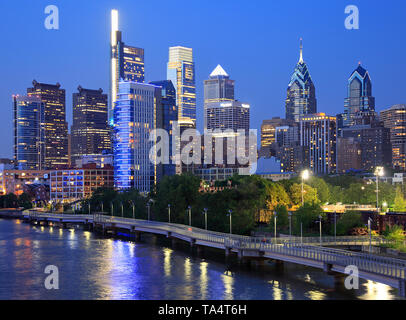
[98,268]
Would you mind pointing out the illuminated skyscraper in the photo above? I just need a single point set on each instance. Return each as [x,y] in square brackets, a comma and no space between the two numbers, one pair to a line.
[135,116]
[56,127]
[90,133]
[29,133]
[359,99]
[219,87]
[301,97]
[181,71]
[127,63]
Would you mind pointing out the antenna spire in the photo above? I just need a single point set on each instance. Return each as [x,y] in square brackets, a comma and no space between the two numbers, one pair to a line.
[301,51]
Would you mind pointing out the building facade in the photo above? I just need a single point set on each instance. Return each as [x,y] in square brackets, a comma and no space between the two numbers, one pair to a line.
[268,135]
[71,185]
[301,93]
[232,115]
[135,116]
[219,87]
[359,96]
[394,118]
[126,63]
[181,71]
[29,133]
[318,134]
[90,132]
[55,125]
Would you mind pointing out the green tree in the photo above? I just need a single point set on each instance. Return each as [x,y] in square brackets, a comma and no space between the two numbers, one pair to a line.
[307,215]
[282,216]
[399,202]
[25,201]
[394,233]
[323,190]
[310,194]
[348,221]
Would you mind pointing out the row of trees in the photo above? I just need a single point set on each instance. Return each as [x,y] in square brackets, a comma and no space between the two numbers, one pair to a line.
[12,201]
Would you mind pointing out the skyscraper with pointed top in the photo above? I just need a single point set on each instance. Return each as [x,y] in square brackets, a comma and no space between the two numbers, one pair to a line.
[359,101]
[301,93]
[127,63]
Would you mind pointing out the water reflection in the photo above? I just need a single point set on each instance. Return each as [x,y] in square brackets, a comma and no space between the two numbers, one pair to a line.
[99,268]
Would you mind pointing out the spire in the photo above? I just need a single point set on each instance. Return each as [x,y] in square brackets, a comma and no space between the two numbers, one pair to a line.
[301,51]
[218,71]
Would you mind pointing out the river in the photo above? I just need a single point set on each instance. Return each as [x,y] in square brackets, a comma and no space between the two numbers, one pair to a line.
[93,267]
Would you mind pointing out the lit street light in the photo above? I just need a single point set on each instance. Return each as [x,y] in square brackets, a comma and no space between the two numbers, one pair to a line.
[305,176]
[378,173]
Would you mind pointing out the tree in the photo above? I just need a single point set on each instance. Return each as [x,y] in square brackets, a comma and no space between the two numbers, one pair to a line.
[282,219]
[348,221]
[25,201]
[310,194]
[323,190]
[399,202]
[307,215]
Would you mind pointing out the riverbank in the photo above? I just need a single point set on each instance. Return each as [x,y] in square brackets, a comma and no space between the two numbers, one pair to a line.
[11,214]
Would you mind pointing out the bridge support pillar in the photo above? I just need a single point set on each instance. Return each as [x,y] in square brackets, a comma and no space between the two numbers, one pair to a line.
[137,235]
[402,288]
[199,250]
[173,243]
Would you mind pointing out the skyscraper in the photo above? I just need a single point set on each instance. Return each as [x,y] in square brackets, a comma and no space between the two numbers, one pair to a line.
[29,133]
[394,118]
[181,71]
[232,115]
[127,63]
[56,127]
[89,133]
[359,97]
[301,93]
[268,134]
[318,134]
[166,120]
[218,87]
[135,116]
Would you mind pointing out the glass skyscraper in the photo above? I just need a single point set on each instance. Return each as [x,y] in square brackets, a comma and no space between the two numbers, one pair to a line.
[167,117]
[89,133]
[219,87]
[135,116]
[301,93]
[56,127]
[29,133]
[181,71]
[127,63]
[359,98]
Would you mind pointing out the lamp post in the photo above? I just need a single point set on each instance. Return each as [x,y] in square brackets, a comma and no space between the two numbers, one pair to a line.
[122,210]
[290,223]
[305,176]
[274,219]
[384,206]
[133,206]
[378,173]
[231,223]
[112,209]
[320,229]
[169,213]
[102,210]
[370,234]
[301,232]
[149,210]
[190,215]
[335,227]
[89,207]
[205,217]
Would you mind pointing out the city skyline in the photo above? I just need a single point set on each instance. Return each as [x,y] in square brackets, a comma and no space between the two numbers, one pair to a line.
[264,104]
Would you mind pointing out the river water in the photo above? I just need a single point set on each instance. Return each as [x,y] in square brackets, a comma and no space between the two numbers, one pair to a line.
[92,267]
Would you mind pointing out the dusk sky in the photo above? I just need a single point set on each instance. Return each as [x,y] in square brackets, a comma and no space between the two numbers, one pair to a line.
[256,42]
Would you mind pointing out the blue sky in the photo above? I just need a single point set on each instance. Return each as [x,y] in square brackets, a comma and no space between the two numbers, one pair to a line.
[257,43]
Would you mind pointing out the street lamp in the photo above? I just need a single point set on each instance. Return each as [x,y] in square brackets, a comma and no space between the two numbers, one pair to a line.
[335,227]
[89,207]
[290,223]
[205,217]
[133,206]
[370,234]
[305,175]
[231,224]
[122,209]
[378,173]
[384,206]
[320,228]
[190,215]
[169,213]
[274,219]
[102,207]
[112,208]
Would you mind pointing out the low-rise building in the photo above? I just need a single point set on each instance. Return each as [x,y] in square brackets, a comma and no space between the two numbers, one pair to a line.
[76,184]
[13,181]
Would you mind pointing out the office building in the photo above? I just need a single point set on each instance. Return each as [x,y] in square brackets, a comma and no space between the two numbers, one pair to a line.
[394,118]
[219,87]
[231,115]
[301,93]
[318,134]
[90,132]
[135,116]
[55,125]
[127,63]
[181,71]
[76,184]
[268,136]
[29,133]
[359,96]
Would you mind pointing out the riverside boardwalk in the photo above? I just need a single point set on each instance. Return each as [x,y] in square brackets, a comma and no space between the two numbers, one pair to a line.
[389,271]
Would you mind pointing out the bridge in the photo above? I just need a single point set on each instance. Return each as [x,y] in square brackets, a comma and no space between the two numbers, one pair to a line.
[389,271]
